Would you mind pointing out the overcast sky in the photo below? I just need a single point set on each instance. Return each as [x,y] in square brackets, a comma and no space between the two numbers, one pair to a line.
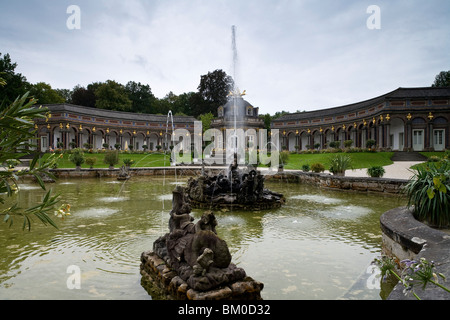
[293,55]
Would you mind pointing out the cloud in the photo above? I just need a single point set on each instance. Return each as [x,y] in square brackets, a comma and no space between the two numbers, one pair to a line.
[293,55]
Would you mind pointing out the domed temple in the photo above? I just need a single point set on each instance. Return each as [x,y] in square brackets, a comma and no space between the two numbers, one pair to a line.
[239,112]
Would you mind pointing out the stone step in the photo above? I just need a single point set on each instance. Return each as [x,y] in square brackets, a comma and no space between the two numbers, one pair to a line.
[408,156]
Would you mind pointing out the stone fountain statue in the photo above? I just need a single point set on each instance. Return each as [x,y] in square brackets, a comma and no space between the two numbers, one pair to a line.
[195,259]
[238,188]
[123,174]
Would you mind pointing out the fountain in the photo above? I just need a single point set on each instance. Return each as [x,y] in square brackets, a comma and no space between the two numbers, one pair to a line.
[191,262]
[124,174]
[236,189]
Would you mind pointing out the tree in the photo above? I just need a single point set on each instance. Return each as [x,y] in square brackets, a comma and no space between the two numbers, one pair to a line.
[15,84]
[17,123]
[66,94]
[112,95]
[141,96]
[44,94]
[442,79]
[199,105]
[206,120]
[84,97]
[214,89]
[267,120]
[183,104]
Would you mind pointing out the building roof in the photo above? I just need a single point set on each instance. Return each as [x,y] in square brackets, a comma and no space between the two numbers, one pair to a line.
[119,115]
[398,94]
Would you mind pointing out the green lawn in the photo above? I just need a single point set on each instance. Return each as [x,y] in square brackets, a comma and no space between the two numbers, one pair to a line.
[140,160]
[439,154]
[360,160]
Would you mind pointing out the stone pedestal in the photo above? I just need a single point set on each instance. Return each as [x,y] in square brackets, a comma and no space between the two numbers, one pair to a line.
[161,282]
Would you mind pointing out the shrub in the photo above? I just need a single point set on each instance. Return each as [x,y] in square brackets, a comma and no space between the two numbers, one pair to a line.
[91,162]
[111,157]
[77,157]
[335,144]
[306,168]
[370,143]
[317,167]
[428,192]
[128,162]
[284,158]
[376,171]
[348,143]
[340,163]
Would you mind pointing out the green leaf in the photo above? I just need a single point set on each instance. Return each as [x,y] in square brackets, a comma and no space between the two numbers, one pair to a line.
[35,160]
[430,192]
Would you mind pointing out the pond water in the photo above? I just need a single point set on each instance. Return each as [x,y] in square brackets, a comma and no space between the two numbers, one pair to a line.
[320,245]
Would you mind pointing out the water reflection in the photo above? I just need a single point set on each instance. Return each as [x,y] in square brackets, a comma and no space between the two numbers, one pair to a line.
[315,247]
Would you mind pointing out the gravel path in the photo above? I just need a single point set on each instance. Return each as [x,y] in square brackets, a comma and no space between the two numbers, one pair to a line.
[397,170]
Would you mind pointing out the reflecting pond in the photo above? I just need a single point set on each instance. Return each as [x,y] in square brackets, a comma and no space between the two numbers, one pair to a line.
[318,246]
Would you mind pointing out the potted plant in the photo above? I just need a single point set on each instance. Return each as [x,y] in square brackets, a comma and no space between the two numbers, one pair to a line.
[77,157]
[317,167]
[348,143]
[376,171]
[128,162]
[91,162]
[340,163]
[370,144]
[334,144]
[429,192]
[283,159]
[111,158]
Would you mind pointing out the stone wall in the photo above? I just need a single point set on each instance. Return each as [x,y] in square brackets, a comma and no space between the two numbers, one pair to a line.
[365,184]
[404,237]
[380,185]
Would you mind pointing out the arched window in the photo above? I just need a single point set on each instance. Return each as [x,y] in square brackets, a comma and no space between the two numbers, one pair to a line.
[418,121]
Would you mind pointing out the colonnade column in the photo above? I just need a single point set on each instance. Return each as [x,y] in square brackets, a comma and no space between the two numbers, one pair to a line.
[430,135]
[381,135]
[388,135]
